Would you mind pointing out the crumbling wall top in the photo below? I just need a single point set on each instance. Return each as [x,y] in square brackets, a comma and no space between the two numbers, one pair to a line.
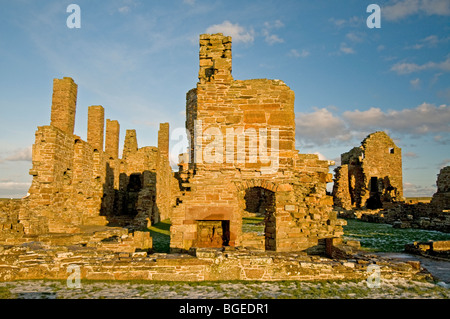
[215,58]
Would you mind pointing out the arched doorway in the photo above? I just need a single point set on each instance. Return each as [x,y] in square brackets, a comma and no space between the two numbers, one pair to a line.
[258,216]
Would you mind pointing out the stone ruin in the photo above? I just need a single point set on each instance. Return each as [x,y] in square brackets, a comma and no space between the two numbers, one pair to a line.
[434,215]
[368,186]
[297,212]
[88,206]
[80,186]
[370,176]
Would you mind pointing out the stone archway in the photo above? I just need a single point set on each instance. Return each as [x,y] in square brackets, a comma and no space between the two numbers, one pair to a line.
[258,215]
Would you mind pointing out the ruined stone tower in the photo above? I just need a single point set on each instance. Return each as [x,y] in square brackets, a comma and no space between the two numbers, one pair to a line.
[242,151]
[80,183]
[369,175]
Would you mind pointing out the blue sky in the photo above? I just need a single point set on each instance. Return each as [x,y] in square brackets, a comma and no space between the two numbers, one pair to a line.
[139,58]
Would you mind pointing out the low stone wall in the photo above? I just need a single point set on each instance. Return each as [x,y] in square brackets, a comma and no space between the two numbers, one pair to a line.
[401,215]
[10,228]
[439,249]
[32,261]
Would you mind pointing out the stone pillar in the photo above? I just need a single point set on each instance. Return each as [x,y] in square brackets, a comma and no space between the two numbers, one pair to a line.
[96,126]
[112,138]
[215,58]
[130,146]
[64,102]
[163,139]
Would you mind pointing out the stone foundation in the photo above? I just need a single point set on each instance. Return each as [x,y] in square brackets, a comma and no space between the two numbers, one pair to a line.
[28,262]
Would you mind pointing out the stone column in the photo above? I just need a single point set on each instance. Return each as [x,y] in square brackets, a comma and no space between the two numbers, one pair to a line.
[130,146]
[96,126]
[163,139]
[64,102]
[112,138]
[215,58]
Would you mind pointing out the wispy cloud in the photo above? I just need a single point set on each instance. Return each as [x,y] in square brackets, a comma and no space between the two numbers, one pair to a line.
[407,68]
[430,41]
[355,36]
[324,126]
[414,190]
[397,10]
[444,163]
[415,83]
[270,37]
[237,32]
[189,2]
[321,127]
[350,22]
[425,118]
[344,48]
[302,54]
[22,154]
[410,155]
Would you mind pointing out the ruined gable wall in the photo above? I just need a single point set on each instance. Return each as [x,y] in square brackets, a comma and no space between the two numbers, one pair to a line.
[441,199]
[341,194]
[382,159]
[222,104]
[302,212]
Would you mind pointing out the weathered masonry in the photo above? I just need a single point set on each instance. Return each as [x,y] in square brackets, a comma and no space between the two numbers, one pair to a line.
[369,175]
[229,176]
[241,163]
[80,183]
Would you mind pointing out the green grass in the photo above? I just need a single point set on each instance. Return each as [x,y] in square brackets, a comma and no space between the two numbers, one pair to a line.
[383,237]
[253,224]
[160,233]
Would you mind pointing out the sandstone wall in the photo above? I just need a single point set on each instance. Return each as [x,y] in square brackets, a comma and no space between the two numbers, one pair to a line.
[370,175]
[441,199]
[246,112]
[77,183]
[26,263]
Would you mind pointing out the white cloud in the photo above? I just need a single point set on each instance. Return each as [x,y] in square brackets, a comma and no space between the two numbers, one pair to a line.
[189,2]
[444,163]
[413,190]
[429,41]
[346,49]
[124,9]
[320,127]
[9,189]
[425,118]
[273,25]
[324,127]
[270,38]
[415,83]
[355,36]
[22,154]
[410,155]
[441,139]
[237,32]
[294,53]
[407,68]
[398,10]
[350,22]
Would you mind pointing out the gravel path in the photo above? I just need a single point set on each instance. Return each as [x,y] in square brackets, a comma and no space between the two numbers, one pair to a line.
[389,289]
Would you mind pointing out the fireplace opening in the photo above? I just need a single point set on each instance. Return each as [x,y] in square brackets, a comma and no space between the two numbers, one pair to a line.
[213,233]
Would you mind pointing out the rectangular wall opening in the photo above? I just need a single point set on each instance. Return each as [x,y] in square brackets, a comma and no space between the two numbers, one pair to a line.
[213,233]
